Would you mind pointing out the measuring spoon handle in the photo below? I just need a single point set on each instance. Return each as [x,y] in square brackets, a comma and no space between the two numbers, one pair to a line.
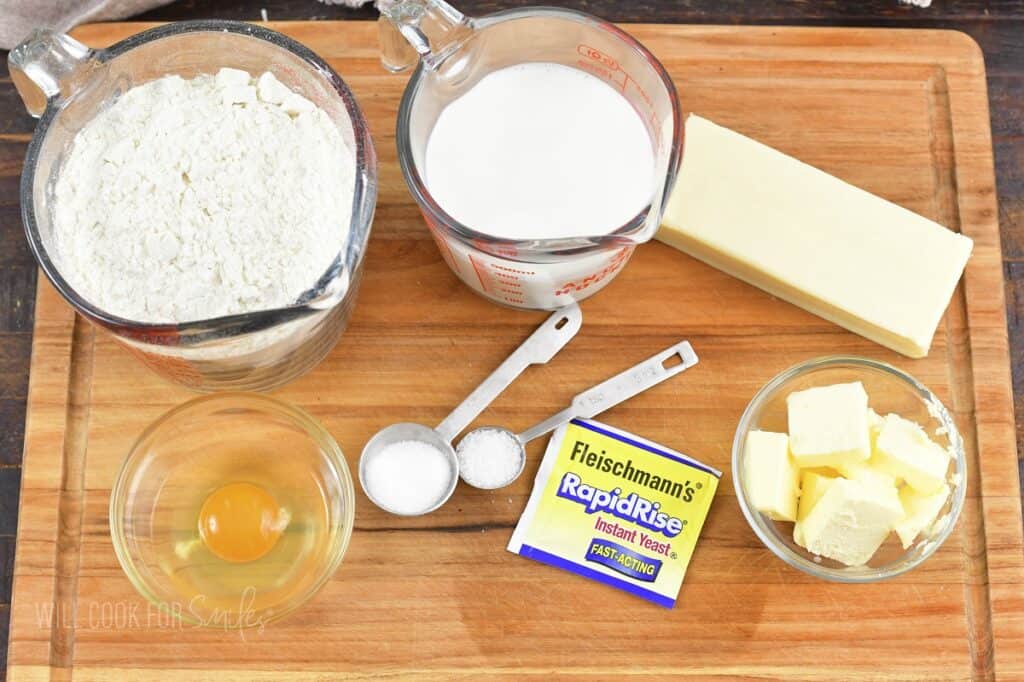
[541,346]
[619,388]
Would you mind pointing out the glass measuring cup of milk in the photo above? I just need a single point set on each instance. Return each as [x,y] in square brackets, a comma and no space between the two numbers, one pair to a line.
[454,53]
[65,84]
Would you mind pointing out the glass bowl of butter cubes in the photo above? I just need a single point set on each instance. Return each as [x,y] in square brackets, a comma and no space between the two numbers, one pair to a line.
[849,469]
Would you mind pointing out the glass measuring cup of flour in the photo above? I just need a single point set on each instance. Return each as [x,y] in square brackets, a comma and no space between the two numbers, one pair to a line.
[454,53]
[590,403]
[65,84]
[537,349]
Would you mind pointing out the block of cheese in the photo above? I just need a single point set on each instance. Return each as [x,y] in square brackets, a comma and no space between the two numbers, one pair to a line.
[770,476]
[904,450]
[812,486]
[837,251]
[851,521]
[828,425]
[921,510]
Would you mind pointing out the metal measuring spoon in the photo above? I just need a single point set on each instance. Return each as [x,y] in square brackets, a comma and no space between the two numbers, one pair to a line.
[590,403]
[540,347]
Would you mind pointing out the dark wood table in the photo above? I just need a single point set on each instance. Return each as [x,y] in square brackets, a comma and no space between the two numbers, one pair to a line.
[998,26]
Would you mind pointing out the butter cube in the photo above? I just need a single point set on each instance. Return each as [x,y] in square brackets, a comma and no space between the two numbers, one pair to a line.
[812,486]
[869,468]
[905,451]
[851,521]
[828,426]
[921,511]
[875,423]
[769,475]
[868,471]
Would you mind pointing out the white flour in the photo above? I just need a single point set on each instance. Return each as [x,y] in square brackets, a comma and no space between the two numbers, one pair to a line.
[192,199]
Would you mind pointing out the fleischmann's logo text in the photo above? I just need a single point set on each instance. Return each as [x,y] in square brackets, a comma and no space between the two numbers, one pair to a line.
[582,453]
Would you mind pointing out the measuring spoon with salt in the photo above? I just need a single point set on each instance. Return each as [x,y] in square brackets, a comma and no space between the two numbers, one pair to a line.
[477,450]
[538,349]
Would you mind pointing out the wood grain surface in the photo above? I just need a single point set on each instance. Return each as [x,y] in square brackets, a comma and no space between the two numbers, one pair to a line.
[901,114]
[996,25]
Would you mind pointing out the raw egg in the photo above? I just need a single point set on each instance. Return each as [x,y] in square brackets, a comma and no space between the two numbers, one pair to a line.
[241,522]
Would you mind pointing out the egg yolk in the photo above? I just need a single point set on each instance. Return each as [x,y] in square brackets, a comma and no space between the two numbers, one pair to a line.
[241,522]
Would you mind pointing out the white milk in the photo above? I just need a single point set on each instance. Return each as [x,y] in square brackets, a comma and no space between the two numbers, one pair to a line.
[540,150]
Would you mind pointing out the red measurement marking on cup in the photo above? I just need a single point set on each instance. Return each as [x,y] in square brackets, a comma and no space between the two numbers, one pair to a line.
[479,272]
[617,261]
[607,67]
[509,285]
[497,250]
[513,271]
[508,282]
[596,55]
[602,65]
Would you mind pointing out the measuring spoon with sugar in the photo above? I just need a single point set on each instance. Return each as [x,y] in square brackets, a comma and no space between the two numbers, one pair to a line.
[418,439]
[478,448]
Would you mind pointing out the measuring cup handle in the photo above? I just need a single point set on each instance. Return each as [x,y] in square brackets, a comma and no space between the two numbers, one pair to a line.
[426,29]
[540,347]
[48,65]
[634,380]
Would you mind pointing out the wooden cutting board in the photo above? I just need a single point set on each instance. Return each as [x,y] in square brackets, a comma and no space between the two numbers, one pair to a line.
[901,113]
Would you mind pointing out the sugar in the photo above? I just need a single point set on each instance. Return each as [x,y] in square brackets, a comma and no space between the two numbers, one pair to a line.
[408,476]
[489,458]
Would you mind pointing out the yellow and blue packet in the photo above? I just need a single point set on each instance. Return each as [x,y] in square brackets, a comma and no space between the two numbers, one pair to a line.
[616,508]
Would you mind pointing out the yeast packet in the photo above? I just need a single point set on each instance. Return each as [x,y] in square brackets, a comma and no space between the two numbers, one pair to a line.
[616,508]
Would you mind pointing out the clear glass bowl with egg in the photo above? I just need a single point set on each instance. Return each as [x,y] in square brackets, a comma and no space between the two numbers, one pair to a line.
[65,84]
[232,510]
[889,390]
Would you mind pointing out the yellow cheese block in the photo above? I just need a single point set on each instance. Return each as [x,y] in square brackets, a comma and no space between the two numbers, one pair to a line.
[770,475]
[837,251]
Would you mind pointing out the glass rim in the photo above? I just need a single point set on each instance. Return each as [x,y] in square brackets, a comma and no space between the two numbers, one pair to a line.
[853,574]
[540,247]
[170,333]
[330,453]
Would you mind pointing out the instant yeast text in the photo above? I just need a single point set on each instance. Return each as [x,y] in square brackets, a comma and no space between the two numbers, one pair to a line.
[616,508]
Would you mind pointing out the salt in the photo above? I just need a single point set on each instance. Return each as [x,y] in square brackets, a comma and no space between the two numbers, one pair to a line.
[490,458]
[408,477]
